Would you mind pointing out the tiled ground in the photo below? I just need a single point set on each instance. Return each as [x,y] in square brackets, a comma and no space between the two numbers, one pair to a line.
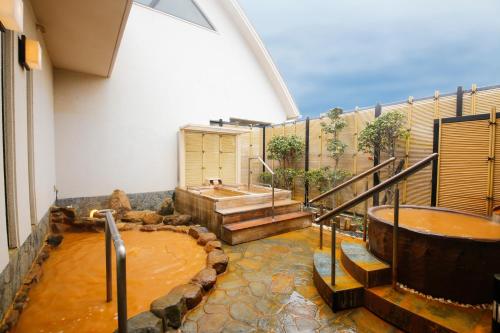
[269,288]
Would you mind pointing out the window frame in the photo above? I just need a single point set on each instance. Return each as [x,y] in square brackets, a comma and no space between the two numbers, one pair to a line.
[194,2]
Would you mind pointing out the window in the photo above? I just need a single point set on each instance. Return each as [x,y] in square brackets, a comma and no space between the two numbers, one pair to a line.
[184,9]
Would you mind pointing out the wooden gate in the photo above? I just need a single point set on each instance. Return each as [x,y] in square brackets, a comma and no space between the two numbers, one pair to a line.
[468,174]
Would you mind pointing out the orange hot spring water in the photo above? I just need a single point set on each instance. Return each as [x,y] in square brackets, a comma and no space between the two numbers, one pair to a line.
[70,297]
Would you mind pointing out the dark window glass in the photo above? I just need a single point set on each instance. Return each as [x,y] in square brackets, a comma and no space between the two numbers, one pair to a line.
[184,9]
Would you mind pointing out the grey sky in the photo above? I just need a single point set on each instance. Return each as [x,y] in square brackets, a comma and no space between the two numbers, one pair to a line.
[356,53]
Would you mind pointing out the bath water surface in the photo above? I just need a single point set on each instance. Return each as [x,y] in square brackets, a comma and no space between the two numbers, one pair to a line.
[443,223]
[70,297]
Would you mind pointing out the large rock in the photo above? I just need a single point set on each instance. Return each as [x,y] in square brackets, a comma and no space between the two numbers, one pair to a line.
[144,322]
[196,231]
[142,216]
[206,278]
[213,245]
[193,294]
[206,237]
[173,306]
[152,218]
[63,215]
[218,260]
[167,207]
[119,202]
[135,216]
[177,219]
[54,240]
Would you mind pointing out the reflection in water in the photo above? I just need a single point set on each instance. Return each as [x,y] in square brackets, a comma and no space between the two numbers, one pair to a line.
[443,223]
[71,294]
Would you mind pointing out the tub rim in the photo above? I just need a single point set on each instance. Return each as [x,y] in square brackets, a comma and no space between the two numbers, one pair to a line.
[372,216]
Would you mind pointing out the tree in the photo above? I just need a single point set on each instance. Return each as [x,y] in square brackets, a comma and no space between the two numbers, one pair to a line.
[336,148]
[287,150]
[382,135]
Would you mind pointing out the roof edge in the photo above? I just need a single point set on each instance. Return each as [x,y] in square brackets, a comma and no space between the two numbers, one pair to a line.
[123,24]
[264,58]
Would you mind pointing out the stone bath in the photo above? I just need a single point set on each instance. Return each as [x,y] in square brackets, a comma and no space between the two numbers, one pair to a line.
[70,296]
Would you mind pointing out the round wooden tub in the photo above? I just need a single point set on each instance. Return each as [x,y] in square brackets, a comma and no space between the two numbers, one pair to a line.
[442,253]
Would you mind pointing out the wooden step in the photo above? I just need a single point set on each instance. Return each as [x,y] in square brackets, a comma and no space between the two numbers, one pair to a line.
[415,313]
[241,232]
[346,293]
[363,265]
[255,211]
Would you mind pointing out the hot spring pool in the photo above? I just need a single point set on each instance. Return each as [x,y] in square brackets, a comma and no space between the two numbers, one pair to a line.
[442,253]
[70,296]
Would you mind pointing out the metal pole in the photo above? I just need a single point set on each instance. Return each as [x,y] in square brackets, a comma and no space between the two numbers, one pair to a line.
[306,165]
[272,182]
[109,273]
[395,237]
[249,172]
[365,217]
[376,160]
[334,236]
[121,285]
[321,208]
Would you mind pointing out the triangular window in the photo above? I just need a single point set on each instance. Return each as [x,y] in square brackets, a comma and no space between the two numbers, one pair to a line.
[186,10]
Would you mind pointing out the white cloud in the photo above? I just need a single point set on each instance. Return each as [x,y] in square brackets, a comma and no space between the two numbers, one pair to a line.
[343,41]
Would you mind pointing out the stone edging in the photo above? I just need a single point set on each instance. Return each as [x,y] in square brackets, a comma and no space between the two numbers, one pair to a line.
[167,312]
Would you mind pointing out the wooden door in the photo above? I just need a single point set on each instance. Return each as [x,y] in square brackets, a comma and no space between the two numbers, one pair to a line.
[228,159]
[194,158]
[211,156]
[469,173]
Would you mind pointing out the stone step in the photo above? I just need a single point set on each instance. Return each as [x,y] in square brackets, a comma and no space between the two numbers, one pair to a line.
[241,232]
[364,266]
[414,313]
[255,211]
[347,291]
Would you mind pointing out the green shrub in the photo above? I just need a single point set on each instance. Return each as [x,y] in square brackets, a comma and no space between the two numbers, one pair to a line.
[286,149]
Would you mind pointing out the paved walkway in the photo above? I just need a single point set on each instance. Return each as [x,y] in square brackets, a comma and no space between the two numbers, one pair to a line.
[269,288]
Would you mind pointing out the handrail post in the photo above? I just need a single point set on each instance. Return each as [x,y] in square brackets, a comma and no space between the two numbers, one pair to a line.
[334,236]
[112,233]
[272,179]
[272,209]
[395,238]
[121,286]
[109,273]
[321,210]
[365,217]
[249,173]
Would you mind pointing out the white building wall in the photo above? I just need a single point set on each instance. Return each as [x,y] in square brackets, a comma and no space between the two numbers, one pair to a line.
[43,133]
[121,132]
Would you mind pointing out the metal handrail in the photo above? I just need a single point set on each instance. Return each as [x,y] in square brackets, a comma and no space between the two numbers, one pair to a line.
[258,158]
[112,233]
[352,180]
[380,187]
[367,194]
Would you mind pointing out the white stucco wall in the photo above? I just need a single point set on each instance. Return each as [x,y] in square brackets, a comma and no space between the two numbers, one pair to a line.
[121,132]
[43,110]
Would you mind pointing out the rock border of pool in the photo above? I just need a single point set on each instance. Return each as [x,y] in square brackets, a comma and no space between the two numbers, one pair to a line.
[166,312]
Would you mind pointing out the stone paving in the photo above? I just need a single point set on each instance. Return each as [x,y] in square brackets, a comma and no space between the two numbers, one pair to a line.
[268,288]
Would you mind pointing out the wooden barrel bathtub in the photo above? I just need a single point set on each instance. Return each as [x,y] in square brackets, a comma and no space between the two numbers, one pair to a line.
[442,253]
